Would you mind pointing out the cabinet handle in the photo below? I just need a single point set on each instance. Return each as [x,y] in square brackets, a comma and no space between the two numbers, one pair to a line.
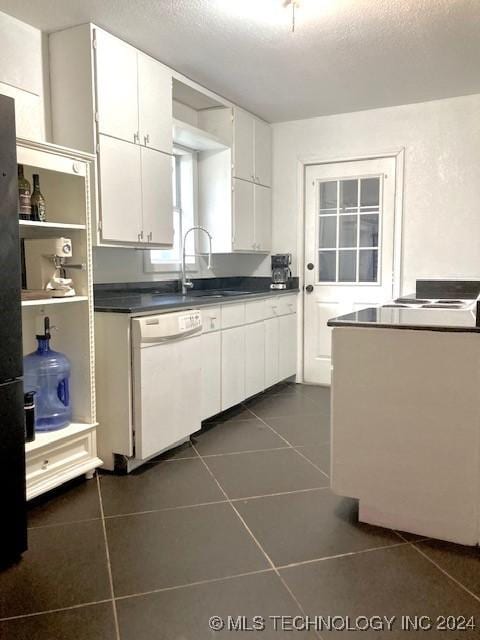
[147,138]
[45,464]
[136,137]
[140,235]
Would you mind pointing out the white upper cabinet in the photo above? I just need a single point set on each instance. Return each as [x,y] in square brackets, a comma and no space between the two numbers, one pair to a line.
[252,148]
[155,104]
[243,137]
[116,87]
[263,153]
[263,218]
[243,215]
[157,203]
[120,190]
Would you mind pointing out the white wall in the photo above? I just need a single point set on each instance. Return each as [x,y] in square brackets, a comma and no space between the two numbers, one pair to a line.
[126,265]
[441,230]
[24,76]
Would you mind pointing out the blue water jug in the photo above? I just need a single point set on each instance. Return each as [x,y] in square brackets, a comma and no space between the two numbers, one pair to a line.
[47,372]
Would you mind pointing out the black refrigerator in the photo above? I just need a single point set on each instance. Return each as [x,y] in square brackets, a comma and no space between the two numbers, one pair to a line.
[13,519]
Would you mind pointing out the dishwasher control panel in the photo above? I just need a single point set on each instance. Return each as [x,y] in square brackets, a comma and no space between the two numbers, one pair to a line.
[166,326]
[190,320]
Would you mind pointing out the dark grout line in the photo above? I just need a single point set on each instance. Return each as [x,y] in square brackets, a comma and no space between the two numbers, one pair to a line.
[61,524]
[237,453]
[250,532]
[162,509]
[194,584]
[289,444]
[109,566]
[58,610]
[445,573]
[393,545]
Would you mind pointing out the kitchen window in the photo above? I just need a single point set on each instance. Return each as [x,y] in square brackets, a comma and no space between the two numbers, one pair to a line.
[184,180]
[349,224]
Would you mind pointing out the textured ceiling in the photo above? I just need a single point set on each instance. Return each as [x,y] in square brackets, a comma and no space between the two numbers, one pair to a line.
[345,55]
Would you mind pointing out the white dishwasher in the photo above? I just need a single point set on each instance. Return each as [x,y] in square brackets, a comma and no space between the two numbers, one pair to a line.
[166,380]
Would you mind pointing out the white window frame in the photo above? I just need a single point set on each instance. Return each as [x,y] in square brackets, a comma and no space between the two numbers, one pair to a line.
[357,211]
[186,160]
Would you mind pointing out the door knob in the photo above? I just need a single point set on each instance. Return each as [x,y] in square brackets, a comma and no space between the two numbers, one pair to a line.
[310,266]
[309,288]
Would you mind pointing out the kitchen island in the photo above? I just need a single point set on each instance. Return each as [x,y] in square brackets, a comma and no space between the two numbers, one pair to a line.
[406,419]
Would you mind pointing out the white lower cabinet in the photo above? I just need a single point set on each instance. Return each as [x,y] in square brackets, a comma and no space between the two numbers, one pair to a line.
[272,346]
[246,348]
[287,352]
[211,374]
[254,358]
[233,367]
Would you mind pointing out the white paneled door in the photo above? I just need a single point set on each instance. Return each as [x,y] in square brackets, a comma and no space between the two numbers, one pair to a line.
[349,249]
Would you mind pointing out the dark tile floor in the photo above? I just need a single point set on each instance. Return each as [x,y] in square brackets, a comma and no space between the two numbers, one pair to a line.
[240,523]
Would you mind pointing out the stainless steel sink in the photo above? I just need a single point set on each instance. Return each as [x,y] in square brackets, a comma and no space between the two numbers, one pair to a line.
[214,293]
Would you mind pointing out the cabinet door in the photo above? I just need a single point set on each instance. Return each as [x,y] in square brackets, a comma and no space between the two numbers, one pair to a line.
[271,352]
[263,218]
[211,374]
[157,197]
[263,153]
[233,367]
[120,186]
[116,87]
[254,359]
[287,354]
[243,141]
[155,104]
[243,216]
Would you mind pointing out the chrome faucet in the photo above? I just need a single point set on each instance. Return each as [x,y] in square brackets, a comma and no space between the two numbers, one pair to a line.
[188,284]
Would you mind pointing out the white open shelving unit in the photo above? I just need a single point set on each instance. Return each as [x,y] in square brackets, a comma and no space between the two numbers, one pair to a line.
[65,177]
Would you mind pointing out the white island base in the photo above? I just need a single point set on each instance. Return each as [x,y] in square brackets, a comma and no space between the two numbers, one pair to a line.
[406,429]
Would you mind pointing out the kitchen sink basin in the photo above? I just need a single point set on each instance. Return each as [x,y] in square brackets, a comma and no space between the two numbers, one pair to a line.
[214,293]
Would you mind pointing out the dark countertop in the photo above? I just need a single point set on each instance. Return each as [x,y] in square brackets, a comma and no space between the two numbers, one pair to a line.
[406,318]
[124,301]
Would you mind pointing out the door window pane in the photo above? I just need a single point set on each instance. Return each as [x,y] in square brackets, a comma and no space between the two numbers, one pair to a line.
[369,230]
[328,195]
[348,194]
[327,266]
[368,265]
[347,266]
[328,232]
[348,231]
[370,192]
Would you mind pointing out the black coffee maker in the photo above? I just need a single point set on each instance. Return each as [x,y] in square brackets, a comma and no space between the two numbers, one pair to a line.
[281,272]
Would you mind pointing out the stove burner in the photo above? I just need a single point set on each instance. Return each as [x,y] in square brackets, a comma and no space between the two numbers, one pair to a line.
[411,301]
[448,301]
[440,305]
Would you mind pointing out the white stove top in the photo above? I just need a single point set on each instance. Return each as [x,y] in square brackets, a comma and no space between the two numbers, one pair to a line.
[431,303]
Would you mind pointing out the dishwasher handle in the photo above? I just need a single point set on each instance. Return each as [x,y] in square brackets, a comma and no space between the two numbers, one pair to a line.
[181,335]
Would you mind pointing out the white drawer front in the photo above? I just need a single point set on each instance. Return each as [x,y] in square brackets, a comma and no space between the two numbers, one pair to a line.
[233,315]
[271,307]
[254,311]
[58,458]
[287,304]
[211,319]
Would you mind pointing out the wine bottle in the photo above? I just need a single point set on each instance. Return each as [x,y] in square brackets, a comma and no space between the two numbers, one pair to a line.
[38,201]
[24,195]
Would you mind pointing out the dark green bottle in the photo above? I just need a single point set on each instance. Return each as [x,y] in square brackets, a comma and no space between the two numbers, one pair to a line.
[24,195]
[38,201]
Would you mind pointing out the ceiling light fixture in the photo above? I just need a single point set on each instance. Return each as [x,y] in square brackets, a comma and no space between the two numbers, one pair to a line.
[295,4]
